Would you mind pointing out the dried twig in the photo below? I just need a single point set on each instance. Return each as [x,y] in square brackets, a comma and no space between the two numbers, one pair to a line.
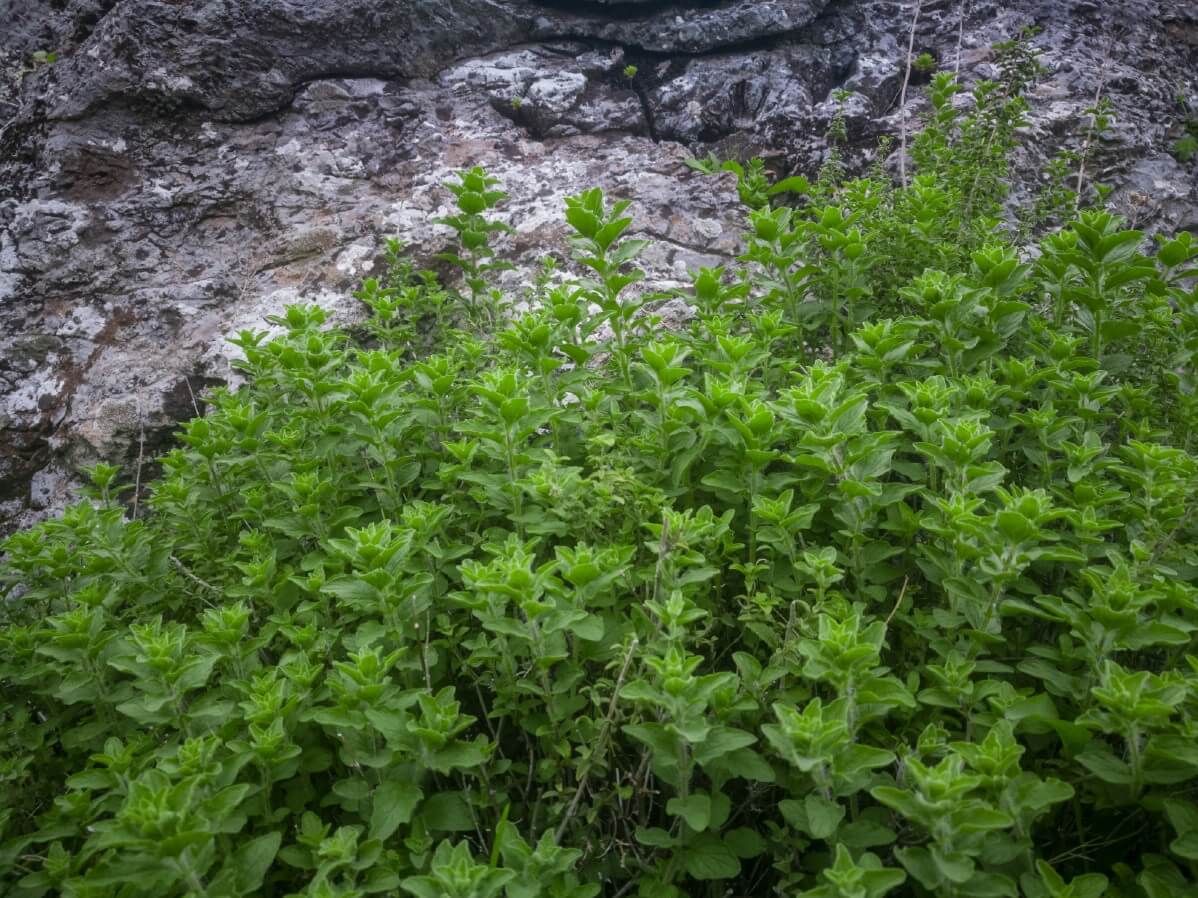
[182,568]
[960,36]
[903,96]
[663,549]
[141,454]
[898,601]
[601,742]
[195,405]
[1085,150]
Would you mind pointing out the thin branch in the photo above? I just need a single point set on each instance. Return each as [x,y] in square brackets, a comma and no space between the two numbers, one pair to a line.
[898,601]
[195,405]
[141,454]
[486,714]
[1169,538]
[482,840]
[601,742]
[960,36]
[663,549]
[1085,151]
[182,568]
[903,96]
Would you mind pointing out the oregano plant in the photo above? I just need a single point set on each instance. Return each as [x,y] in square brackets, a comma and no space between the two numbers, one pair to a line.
[878,577]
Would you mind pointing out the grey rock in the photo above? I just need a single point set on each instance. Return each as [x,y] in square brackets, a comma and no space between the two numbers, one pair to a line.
[768,92]
[186,169]
[552,91]
[239,59]
[33,25]
[30,26]
[687,28]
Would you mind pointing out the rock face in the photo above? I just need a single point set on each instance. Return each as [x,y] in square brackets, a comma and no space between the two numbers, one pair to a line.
[688,27]
[183,170]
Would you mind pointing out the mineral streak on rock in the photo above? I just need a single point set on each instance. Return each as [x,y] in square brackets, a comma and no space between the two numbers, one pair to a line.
[183,170]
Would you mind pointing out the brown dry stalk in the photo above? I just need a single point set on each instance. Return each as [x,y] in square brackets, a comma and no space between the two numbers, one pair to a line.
[601,742]
[903,96]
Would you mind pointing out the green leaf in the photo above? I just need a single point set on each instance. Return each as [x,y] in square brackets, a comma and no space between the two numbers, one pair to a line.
[710,858]
[955,866]
[1186,845]
[795,184]
[607,234]
[589,629]
[921,866]
[745,843]
[655,837]
[582,221]
[865,834]
[823,815]
[1104,765]
[223,803]
[252,860]
[694,809]
[663,743]
[720,741]
[447,812]
[745,763]
[1183,815]
[394,802]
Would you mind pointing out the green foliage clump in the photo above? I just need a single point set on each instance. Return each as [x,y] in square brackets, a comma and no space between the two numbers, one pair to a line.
[877,578]
[1185,147]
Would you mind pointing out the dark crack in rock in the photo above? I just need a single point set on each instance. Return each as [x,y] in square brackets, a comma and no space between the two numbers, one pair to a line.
[685,28]
[240,59]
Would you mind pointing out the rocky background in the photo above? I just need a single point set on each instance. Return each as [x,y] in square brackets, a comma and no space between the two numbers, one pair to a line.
[186,167]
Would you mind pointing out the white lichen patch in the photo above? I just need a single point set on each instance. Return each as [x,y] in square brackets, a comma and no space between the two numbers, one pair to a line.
[356,259]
